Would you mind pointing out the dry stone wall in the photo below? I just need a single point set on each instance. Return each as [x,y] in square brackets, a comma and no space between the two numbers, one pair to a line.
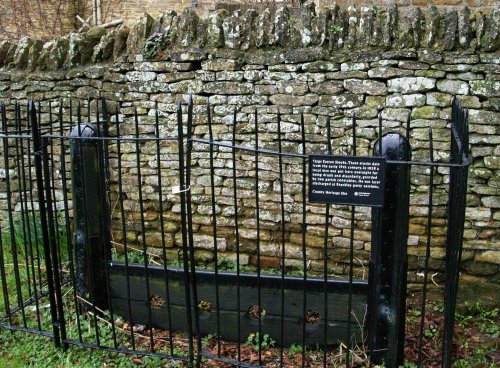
[337,63]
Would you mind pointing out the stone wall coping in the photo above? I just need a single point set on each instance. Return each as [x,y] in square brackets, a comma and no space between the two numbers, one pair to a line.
[282,37]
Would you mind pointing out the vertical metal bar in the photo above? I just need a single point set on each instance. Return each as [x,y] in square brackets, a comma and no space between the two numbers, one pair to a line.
[37,146]
[214,224]
[325,255]
[52,242]
[32,203]
[380,133]
[88,112]
[162,225]
[283,250]
[388,258]
[304,248]
[456,215]
[105,130]
[84,260]
[66,207]
[103,170]
[5,289]
[30,235]
[53,180]
[453,198]
[463,153]
[3,116]
[40,115]
[408,121]
[257,217]
[378,219]
[124,228]
[237,236]
[21,190]
[3,278]
[427,251]
[10,211]
[188,257]
[351,259]
[143,229]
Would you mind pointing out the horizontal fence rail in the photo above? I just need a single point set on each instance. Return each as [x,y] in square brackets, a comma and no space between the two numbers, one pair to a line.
[194,240]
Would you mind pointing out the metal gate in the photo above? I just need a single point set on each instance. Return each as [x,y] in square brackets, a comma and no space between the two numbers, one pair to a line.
[87,191]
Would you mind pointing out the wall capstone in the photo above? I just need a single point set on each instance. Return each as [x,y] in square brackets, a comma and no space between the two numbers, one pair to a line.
[334,29]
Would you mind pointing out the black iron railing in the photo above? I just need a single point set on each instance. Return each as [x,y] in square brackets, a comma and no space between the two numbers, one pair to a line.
[115,246]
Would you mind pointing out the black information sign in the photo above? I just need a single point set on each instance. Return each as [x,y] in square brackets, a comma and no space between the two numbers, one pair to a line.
[347,180]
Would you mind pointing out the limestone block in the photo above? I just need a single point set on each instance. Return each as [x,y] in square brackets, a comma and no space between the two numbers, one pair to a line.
[365,86]
[485,88]
[415,99]
[454,87]
[411,84]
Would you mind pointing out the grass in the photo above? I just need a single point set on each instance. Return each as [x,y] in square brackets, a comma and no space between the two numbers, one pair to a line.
[14,239]
[24,350]
[25,236]
[19,349]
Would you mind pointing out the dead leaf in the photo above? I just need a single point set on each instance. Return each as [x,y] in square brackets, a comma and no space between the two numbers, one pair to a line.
[137,361]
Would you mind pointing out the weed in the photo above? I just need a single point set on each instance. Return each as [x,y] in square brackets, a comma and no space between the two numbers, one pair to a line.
[227,264]
[485,319]
[135,257]
[255,312]
[312,317]
[438,306]
[297,273]
[208,340]
[294,349]
[154,45]
[26,235]
[204,306]
[254,341]
[431,331]
[413,315]
[409,365]
[336,29]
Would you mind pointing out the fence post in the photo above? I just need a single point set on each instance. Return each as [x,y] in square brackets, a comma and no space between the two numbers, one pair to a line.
[388,259]
[89,208]
[457,196]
